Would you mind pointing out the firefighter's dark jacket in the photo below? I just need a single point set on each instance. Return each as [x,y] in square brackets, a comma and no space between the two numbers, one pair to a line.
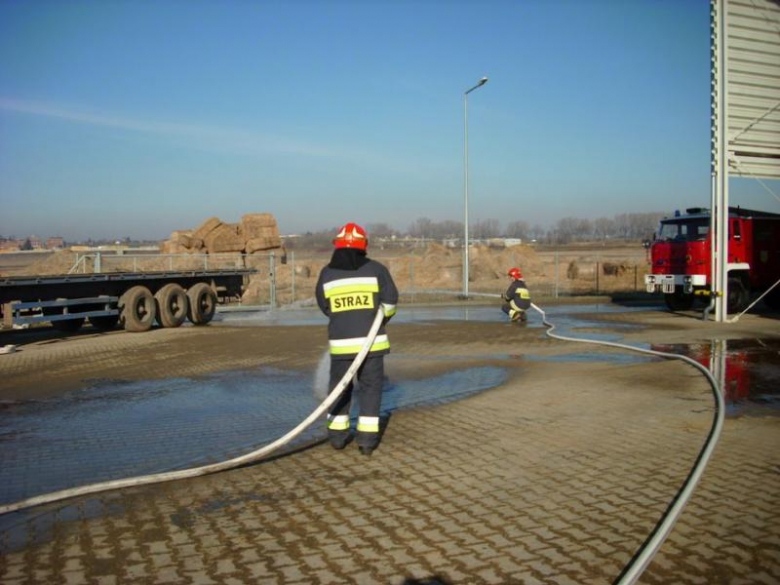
[350,299]
[518,293]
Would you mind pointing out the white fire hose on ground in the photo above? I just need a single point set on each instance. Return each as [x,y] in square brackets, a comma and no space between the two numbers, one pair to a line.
[649,548]
[213,467]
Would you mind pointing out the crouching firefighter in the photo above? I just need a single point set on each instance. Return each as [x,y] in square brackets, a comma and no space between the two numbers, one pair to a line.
[350,290]
[517,297]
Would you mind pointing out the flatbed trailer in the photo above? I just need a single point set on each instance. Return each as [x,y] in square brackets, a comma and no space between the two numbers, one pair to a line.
[134,300]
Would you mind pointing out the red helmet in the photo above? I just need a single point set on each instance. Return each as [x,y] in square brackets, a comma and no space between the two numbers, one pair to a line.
[515,273]
[351,236]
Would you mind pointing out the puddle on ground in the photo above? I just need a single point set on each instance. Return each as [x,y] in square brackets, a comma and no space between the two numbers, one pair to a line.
[747,369]
[612,358]
[120,429]
[563,315]
[114,430]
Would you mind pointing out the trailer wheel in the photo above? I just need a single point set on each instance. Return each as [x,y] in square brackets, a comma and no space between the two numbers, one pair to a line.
[106,323]
[68,326]
[739,297]
[679,301]
[203,303]
[172,305]
[138,309]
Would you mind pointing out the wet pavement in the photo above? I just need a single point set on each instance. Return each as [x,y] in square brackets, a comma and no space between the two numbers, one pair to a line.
[509,486]
[748,369]
[564,316]
[115,430]
[111,428]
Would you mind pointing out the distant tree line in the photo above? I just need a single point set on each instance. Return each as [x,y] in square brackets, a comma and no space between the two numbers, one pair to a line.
[623,226]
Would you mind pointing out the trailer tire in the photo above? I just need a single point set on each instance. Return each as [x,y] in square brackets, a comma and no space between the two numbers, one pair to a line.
[739,297]
[172,305]
[69,325]
[106,323]
[138,309]
[679,301]
[203,303]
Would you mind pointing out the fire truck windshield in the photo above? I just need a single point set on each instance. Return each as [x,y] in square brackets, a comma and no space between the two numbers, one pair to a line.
[687,230]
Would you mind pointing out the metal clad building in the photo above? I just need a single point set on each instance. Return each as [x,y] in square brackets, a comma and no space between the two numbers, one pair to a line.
[745,113]
[752,78]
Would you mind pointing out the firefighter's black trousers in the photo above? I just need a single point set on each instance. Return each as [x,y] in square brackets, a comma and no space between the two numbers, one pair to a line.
[369,399]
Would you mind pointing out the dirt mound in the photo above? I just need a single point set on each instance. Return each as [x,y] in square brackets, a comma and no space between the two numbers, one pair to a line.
[57,263]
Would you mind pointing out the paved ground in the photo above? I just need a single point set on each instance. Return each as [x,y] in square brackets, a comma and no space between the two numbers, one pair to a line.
[557,476]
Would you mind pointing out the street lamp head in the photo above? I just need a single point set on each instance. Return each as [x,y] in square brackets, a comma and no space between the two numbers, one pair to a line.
[480,83]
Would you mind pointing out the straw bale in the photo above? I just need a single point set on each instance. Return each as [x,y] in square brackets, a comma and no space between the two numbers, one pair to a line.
[171,247]
[224,238]
[207,227]
[182,238]
[259,232]
[260,244]
[258,225]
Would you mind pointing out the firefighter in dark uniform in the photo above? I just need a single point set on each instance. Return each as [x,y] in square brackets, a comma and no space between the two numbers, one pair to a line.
[517,297]
[349,291]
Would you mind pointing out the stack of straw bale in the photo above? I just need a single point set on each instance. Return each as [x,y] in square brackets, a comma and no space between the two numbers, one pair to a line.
[256,232]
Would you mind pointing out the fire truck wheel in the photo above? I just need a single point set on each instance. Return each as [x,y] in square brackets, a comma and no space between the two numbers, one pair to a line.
[738,295]
[679,301]
[172,305]
[203,303]
[138,309]
[105,323]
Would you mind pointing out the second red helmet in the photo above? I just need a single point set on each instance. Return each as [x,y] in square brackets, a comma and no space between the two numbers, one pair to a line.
[351,235]
[515,273]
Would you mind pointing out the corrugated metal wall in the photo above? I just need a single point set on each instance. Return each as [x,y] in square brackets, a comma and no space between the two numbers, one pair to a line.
[753,87]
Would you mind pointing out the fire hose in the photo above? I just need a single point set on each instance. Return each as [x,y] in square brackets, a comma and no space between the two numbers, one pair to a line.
[251,457]
[652,544]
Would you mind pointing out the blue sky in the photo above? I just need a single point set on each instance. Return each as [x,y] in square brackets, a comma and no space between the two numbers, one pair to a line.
[138,118]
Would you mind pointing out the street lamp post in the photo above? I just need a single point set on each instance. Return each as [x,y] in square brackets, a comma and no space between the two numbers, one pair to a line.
[482,82]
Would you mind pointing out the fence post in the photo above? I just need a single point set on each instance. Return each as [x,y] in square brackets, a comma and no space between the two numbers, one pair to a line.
[635,283]
[170,263]
[272,280]
[97,267]
[556,274]
[292,275]
[597,274]
[411,276]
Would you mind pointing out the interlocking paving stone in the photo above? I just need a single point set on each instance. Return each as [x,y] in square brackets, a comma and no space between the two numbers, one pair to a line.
[539,481]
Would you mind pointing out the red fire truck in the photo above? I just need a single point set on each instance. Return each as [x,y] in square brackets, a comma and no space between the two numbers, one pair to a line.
[680,258]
